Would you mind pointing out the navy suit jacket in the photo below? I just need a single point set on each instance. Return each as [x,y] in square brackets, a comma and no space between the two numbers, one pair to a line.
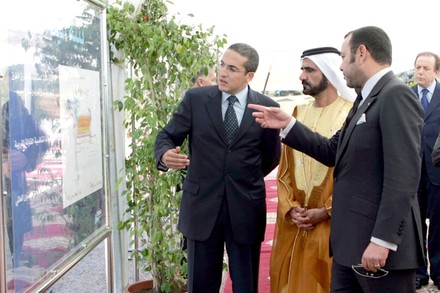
[377,172]
[431,130]
[218,171]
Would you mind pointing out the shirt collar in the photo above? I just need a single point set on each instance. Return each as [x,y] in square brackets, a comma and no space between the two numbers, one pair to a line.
[430,88]
[241,96]
[371,82]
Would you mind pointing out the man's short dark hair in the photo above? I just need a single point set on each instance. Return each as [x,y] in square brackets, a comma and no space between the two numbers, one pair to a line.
[375,40]
[203,72]
[250,53]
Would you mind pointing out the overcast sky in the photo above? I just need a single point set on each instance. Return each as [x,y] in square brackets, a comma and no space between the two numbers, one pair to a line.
[281,29]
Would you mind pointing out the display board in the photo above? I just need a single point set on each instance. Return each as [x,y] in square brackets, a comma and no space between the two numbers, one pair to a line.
[53,172]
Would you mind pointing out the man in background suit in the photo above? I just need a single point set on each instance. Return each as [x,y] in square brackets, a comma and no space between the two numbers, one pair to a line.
[426,70]
[375,219]
[224,197]
[205,77]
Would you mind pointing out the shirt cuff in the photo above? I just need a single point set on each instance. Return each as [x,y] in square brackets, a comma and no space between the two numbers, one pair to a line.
[285,131]
[162,166]
[384,243]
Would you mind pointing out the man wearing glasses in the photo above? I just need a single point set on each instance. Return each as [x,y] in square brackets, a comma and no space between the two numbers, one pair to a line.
[375,233]
[224,197]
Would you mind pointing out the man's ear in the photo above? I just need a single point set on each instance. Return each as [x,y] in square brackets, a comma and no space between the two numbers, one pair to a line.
[200,82]
[363,51]
[250,75]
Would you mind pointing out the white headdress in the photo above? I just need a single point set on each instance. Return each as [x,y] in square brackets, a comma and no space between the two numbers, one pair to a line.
[328,60]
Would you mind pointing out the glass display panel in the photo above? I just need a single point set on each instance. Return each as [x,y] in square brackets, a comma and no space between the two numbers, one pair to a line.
[52,134]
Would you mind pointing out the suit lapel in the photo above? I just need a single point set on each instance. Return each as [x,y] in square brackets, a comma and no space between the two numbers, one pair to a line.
[435,100]
[247,119]
[214,108]
[350,127]
[362,109]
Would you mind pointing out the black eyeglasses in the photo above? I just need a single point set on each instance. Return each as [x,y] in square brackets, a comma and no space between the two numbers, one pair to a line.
[361,271]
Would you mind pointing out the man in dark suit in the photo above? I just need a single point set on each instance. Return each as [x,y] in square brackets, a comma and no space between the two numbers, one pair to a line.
[426,70]
[224,197]
[205,77]
[375,220]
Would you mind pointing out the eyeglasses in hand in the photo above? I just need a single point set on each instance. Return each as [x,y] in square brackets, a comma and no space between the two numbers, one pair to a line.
[361,271]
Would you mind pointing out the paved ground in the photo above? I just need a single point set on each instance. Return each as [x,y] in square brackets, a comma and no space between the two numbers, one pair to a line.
[88,276]
[429,289]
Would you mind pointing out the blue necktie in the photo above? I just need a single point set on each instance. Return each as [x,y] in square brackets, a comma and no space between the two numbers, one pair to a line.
[424,99]
[230,121]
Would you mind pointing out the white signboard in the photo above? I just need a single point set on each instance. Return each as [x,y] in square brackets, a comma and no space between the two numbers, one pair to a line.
[80,126]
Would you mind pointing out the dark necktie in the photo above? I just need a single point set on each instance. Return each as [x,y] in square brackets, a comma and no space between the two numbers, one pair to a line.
[424,99]
[353,109]
[231,123]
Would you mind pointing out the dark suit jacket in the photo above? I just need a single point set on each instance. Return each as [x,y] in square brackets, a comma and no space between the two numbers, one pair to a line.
[436,152]
[431,130]
[377,171]
[216,170]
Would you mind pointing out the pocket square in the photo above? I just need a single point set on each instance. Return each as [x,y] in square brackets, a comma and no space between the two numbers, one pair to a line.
[362,119]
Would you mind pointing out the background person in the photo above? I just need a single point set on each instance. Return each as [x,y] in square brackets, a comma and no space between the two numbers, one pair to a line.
[205,77]
[300,260]
[375,219]
[24,145]
[224,197]
[426,70]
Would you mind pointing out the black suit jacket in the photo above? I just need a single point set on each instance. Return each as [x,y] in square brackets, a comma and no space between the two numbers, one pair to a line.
[377,171]
[436,152]
[218,171]
[430,132]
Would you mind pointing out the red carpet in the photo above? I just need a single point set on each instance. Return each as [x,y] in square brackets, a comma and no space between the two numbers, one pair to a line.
[272,201]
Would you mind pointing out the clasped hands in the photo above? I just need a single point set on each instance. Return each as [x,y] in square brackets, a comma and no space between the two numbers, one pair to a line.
[374,256]
[307,218]
[173,159]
